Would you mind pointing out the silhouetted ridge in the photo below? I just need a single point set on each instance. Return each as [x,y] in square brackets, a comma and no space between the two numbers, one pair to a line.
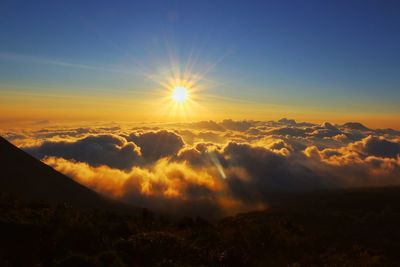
[28,178]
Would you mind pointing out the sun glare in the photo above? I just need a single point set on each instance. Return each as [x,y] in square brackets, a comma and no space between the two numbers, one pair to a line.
[181,89]
[179,94]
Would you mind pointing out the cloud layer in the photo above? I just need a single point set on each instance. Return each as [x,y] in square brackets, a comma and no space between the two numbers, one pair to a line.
[216,168]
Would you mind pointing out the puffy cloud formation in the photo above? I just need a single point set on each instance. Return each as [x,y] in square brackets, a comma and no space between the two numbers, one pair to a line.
[111,150]
[370,161]
[369,146]
[214,168]
[269,170]
[167,186]
[377,146]
[156,145]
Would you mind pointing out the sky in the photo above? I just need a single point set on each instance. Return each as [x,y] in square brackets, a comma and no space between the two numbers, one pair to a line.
[312,61]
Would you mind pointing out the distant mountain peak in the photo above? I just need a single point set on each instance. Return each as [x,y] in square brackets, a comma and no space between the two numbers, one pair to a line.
[287,121]
[328,125]
[355,126]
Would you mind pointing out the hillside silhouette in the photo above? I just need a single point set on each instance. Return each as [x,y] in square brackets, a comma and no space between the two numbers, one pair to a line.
[28,178]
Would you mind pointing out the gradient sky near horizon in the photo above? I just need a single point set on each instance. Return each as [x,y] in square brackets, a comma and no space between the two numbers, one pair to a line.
[107,61]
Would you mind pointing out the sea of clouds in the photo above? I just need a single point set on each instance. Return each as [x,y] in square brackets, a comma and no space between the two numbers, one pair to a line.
[215,168]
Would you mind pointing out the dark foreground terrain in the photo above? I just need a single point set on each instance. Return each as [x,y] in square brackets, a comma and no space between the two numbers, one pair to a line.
[338,228]
[332,228]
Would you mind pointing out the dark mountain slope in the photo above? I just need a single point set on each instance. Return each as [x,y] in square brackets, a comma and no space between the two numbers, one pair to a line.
[27,178]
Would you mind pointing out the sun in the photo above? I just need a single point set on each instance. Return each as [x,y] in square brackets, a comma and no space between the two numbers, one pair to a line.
[179,94]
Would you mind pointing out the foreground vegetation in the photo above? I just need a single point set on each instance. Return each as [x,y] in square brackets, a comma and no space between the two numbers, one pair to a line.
[339,229]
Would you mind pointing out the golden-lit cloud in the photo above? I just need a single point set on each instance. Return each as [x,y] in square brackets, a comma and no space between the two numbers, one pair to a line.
[214,168]
[166,186]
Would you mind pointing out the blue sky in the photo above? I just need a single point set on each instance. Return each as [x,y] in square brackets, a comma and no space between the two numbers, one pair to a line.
[325,54]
